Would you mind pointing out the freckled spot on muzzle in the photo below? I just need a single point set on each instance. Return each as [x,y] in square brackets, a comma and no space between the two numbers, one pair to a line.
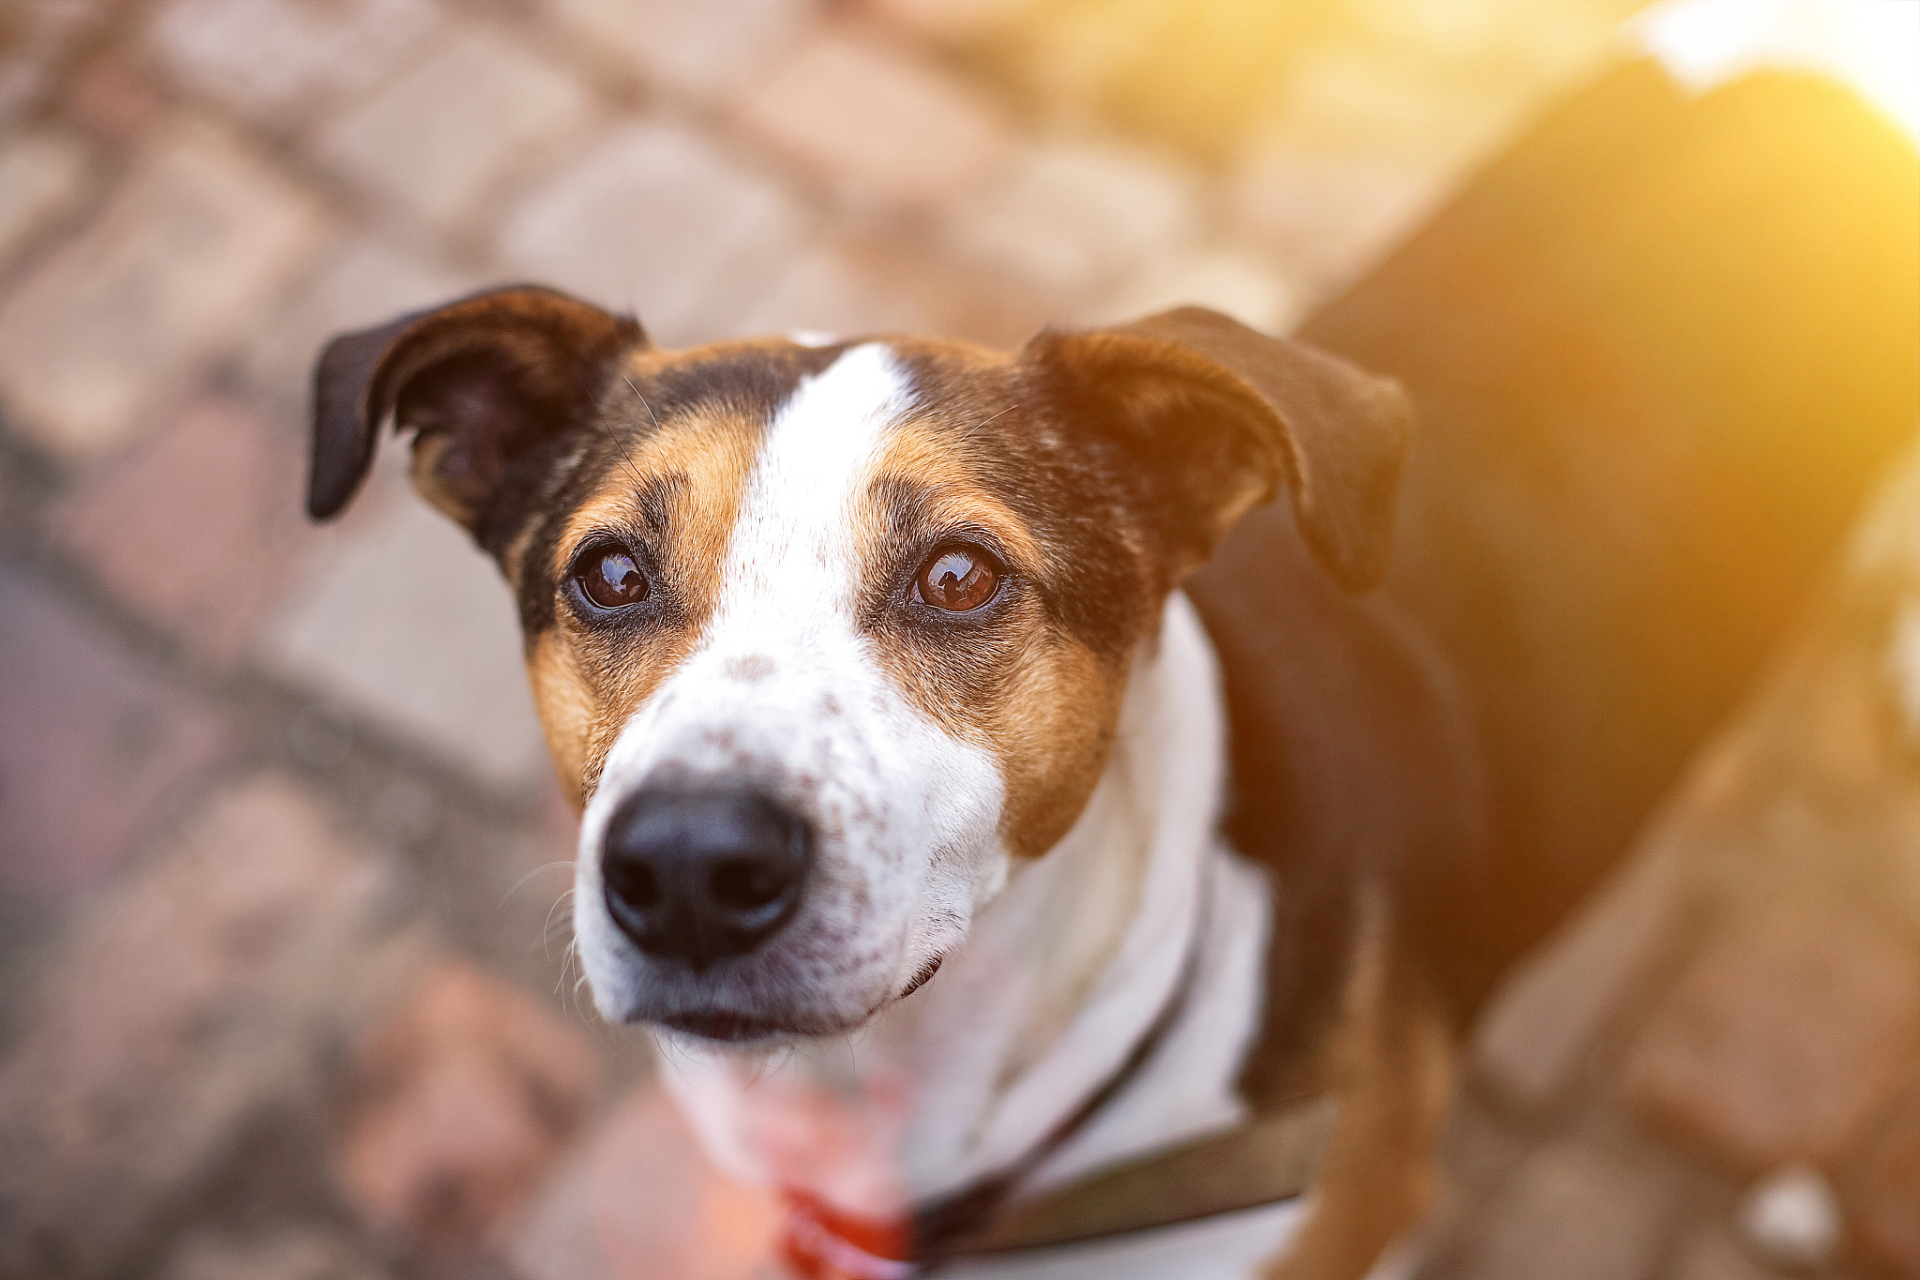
[750,668]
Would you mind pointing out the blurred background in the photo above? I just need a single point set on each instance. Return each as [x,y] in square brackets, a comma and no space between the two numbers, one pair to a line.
[284,990]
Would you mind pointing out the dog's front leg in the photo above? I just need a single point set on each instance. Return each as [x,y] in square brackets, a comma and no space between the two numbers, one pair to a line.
[1391,1064]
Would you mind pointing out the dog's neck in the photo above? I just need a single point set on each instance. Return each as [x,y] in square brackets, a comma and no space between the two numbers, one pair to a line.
[1063,975]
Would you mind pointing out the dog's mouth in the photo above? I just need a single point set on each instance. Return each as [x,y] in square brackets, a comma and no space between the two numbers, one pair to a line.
[732,1027]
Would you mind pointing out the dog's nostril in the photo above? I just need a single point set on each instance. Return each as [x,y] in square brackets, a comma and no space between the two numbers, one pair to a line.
[635,882]
[745,882]
[701,875]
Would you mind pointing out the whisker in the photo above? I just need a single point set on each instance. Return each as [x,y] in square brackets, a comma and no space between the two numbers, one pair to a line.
[521,883]
[632,470]
[566,962]
[546,926]
[982,426]
[643,400]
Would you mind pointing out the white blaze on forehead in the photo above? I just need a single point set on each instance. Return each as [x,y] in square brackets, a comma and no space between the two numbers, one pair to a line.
[793,551]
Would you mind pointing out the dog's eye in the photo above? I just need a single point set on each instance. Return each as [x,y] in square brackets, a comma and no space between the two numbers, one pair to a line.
[609,577]
[957,579]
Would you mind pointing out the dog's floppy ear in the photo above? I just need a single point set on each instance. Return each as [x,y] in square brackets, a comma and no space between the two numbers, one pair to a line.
[479,380]
[1213,416]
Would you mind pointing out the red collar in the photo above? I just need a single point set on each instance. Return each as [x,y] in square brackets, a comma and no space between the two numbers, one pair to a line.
[821,1243]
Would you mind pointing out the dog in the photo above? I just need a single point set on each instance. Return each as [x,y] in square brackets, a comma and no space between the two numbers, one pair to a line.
[1041,845]
[901,759]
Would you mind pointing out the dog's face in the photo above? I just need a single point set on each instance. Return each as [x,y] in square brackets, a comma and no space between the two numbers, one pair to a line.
[825,638]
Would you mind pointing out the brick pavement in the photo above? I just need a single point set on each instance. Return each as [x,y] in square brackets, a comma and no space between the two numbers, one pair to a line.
[215,1064]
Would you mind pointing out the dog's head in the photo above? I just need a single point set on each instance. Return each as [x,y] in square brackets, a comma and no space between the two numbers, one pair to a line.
[825,637]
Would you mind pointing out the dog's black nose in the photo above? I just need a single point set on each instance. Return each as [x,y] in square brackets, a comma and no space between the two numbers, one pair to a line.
[703,875]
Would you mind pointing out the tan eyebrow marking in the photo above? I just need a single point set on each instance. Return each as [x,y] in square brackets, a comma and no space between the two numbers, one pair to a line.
[682,485]
[1034,696]
[923,455]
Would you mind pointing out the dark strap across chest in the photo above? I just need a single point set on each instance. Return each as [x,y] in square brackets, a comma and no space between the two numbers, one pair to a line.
[961,1213]
[1271,1159]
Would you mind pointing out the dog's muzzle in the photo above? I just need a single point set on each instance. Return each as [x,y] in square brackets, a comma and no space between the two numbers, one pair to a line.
[703,875]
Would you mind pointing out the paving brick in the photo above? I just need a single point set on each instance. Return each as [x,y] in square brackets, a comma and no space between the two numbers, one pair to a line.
[93,746]
[1709,1253]
[202,991]
[401,617]
[1881,1187]
[642,1202]
[115,98]
[655,219]
[455,124]
[947,20]
[173,269]
[700,49]
[42,173]
[1236,283]
[283,61]
[1075,219]
[1782,1039]
[1537,1031]
[1327,216]
[35,40]
[1389,104]
[829,291]
[459,1100]
[294,1253]
[199,528]
[359,282]
[868,284]
[1479,1147]
[881,129]
[1570,1213]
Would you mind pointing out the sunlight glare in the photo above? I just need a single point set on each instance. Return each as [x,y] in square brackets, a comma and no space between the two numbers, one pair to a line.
[1871,45]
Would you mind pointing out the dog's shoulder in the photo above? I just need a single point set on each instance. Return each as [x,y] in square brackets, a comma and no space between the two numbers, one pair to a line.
[1352,771]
